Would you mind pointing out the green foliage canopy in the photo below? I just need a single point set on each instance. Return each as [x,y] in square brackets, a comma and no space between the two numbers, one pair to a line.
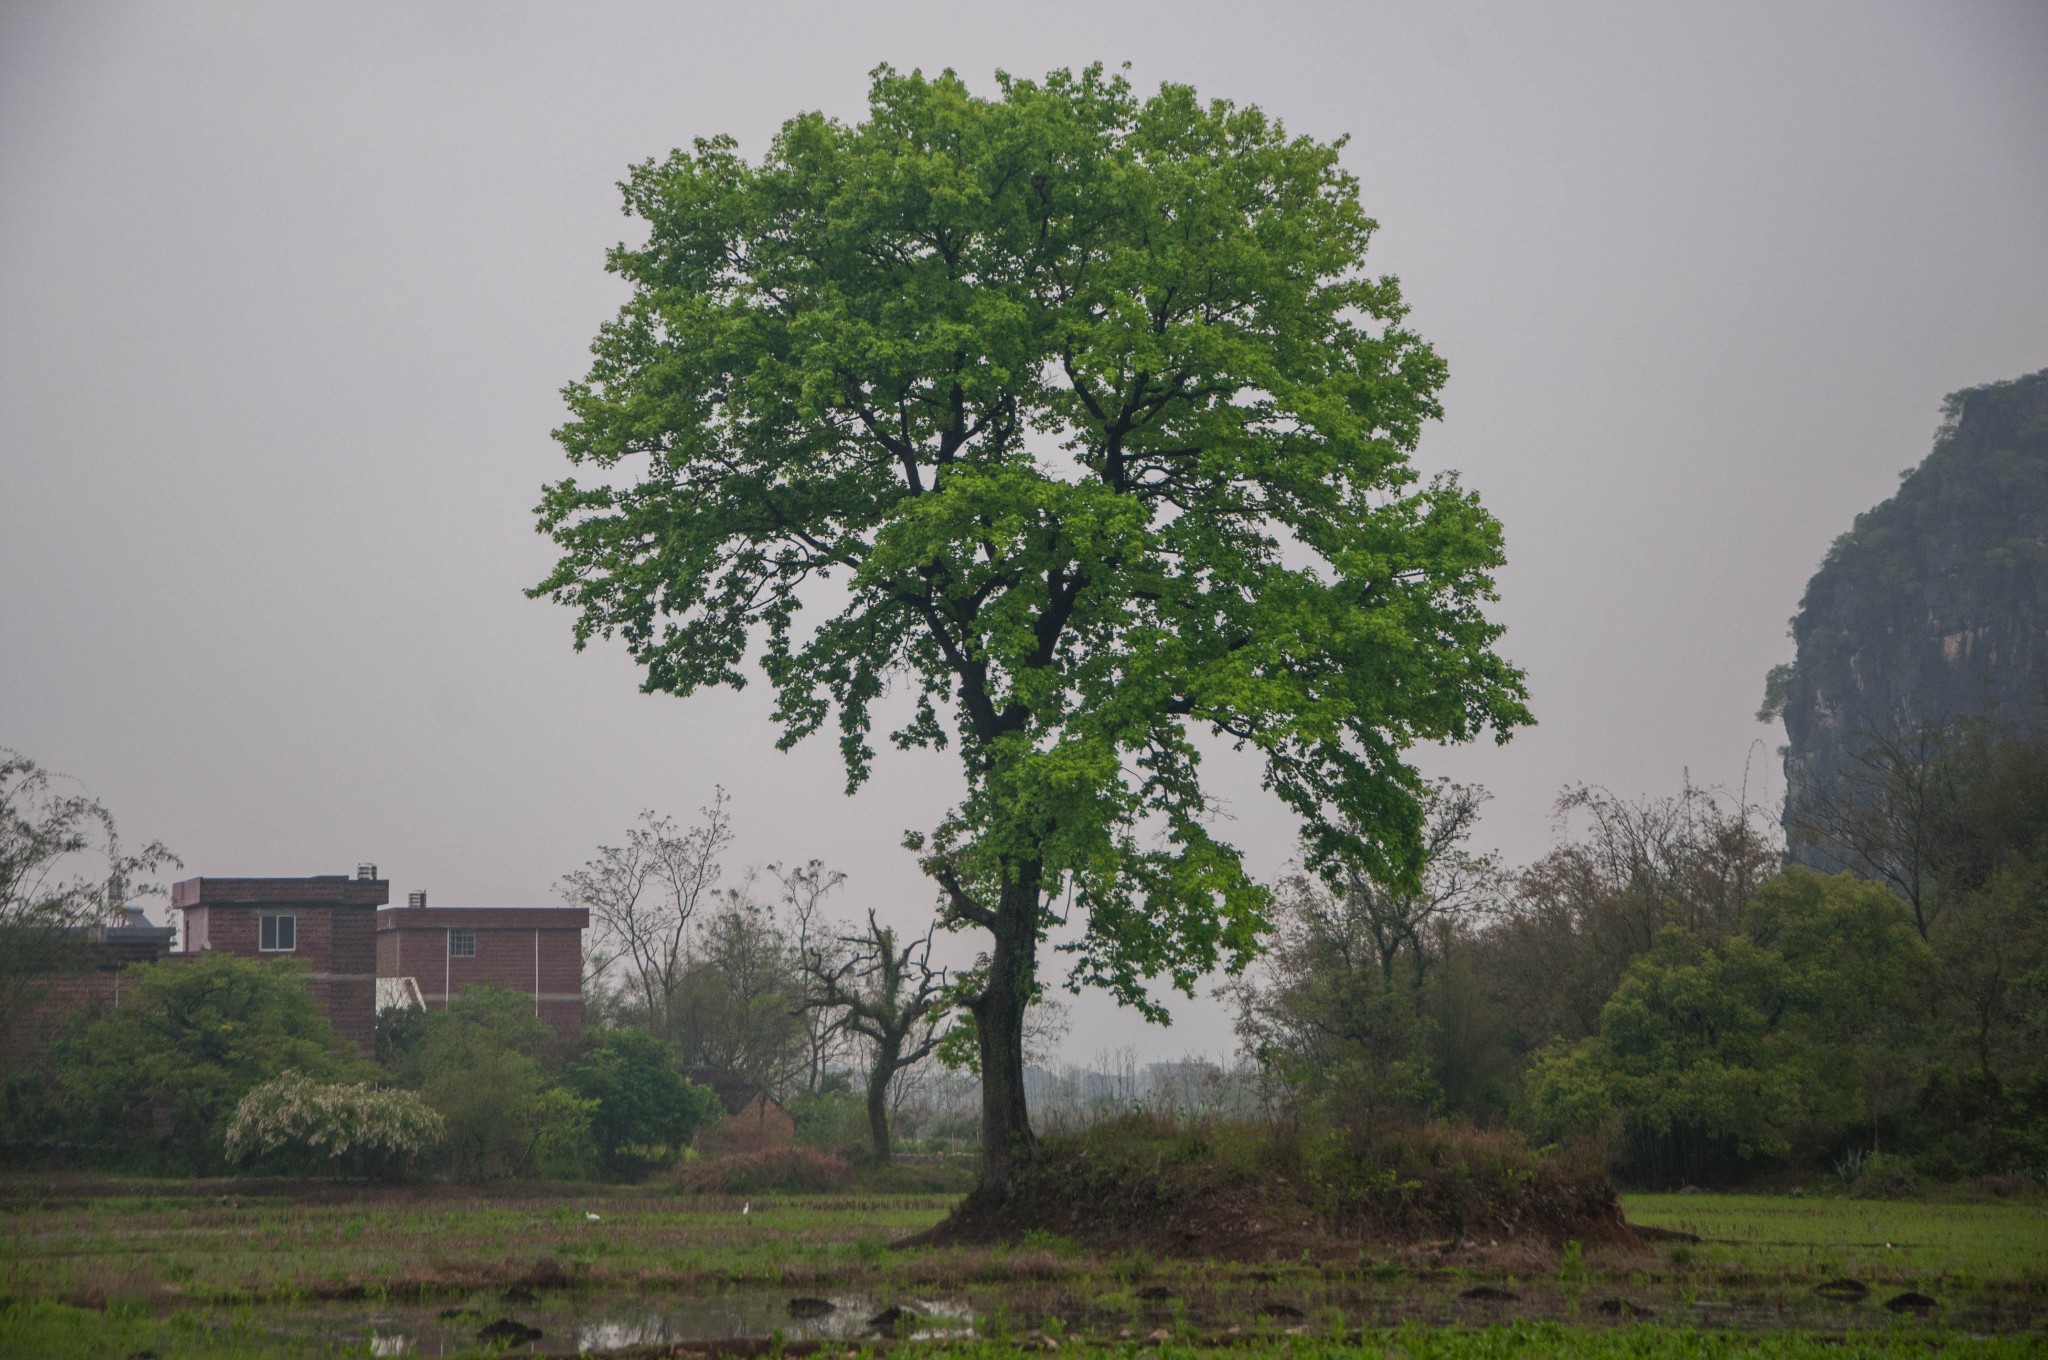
[161,1074]
[479,1065]
[1078,413]
[1763,1042]
[646,1113]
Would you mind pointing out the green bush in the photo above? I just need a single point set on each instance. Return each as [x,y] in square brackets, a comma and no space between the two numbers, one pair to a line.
[414,1045]
[644,1112]
[479,1065]
[1885,1176]
[1713,1054]
[563,1148]
[833,1121]
[344,1128]
[155,1082]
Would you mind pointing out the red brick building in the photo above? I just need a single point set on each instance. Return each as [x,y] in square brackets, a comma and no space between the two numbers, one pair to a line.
[74,971]
[536,950]
[328,923]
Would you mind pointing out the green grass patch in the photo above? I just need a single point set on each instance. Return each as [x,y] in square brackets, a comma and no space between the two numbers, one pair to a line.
[1992,1244]
[94,1251]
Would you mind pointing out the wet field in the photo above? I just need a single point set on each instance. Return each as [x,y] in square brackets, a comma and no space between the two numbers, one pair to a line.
[437,1271]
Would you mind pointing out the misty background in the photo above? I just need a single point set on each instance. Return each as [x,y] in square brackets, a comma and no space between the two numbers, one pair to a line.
[287,295]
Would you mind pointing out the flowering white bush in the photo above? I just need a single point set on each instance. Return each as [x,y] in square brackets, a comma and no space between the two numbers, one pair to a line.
[343,1124]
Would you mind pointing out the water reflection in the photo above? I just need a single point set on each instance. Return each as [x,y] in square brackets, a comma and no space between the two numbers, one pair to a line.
[730,1317]
[571,1324]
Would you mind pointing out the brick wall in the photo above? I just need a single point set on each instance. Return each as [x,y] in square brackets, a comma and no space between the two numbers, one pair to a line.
[335,922]
[534,950]
[82,978]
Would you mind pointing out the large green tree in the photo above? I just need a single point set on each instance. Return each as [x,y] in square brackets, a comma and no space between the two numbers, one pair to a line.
[1076,415]
[1772,1041]
[157,1078]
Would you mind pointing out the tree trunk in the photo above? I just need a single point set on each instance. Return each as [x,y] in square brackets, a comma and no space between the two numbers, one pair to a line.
[1006,1140]
[879,1077]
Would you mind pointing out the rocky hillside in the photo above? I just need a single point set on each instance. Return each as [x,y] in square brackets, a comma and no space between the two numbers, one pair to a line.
[1934,606]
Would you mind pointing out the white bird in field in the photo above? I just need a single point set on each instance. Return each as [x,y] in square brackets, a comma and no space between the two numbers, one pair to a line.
[746,1208]
[589,1217]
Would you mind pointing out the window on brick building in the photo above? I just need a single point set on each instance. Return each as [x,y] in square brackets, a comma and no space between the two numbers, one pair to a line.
[278,934]
[462,944]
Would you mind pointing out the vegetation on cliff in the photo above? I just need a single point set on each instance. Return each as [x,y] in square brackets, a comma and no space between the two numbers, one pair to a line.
[1933,607]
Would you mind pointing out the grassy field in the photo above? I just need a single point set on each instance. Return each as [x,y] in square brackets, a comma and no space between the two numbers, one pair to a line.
[258,1248]
[1990,1243]
[124,1269]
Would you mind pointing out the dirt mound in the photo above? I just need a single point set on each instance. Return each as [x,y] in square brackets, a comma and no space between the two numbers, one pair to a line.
[1233,1192]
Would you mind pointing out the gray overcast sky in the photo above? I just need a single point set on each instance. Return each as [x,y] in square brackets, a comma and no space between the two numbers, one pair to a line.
[287,293]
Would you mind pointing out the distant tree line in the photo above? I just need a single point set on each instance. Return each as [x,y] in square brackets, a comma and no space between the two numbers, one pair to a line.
[1661,983]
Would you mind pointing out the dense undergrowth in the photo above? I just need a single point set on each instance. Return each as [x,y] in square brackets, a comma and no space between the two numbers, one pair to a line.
[1244,1191]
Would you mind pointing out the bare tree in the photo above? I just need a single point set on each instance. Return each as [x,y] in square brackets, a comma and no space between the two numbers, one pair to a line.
[1882,815]
[643,897]
[61,867]
[891,996]
[1336,1007]
[1454,883]
[804,889]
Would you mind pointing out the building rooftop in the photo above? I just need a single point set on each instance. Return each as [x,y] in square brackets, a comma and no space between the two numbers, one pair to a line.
[323,890]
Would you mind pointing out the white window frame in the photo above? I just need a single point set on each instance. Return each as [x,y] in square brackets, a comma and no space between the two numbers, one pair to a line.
[268,924]
[462,935]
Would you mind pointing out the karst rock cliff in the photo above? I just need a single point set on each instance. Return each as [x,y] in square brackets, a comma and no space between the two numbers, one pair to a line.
[1933,607]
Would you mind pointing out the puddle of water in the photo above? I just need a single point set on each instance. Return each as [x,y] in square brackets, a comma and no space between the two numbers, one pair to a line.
[569,1326]
[653,1323]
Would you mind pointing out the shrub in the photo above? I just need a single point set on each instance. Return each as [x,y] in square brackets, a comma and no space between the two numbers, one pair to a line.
[1886,1177]
[158,1079]
[1714,1053]
[415,1045]
[478,1063]
[644,1113]
[350,1128]
[832,1121]
[563,1147]
[1250,1190]
[491,1099]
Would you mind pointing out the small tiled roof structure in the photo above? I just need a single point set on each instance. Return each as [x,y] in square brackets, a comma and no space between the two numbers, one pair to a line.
[754,1120]
[733,1091]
